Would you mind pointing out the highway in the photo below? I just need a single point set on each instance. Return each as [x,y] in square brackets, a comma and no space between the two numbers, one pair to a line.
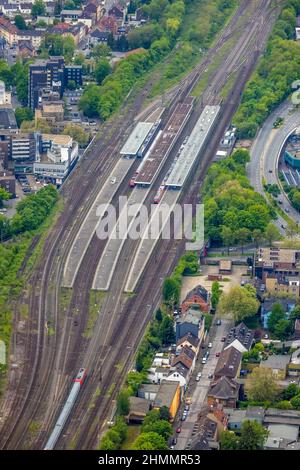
[52,360]
[265,153]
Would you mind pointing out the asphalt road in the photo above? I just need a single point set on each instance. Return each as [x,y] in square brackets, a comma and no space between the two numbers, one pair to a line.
[265,153]
[200,389]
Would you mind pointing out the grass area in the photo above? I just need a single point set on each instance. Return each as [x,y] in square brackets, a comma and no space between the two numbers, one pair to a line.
[96,299]
[65,296]
[133,431]
[191,46]
[19,258]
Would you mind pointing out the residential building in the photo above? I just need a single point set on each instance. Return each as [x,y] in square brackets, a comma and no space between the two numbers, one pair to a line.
[98,36]
[277,261]
[168,396]
[191,322]
[224,391]
[70,15]
[179,373]
[157,374]
[51,112]
[34,36]
[118,11]
[277,283]
[52,75]
[93,9]
[186,357]
[198,297]
[189,340]
[278,363]
[8,31]
[8,182]
[108,23]
[208,428]
[5,96]
[229,363]
[241,336]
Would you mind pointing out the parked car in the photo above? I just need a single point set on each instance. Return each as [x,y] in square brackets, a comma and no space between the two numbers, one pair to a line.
[174,442]
[223,339]
[209,345]
[218,354]
[183,417]
[204,360]
[178,430]
[210,376]
[218,322]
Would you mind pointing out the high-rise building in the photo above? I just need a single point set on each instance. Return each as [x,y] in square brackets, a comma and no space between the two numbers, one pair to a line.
[51,75]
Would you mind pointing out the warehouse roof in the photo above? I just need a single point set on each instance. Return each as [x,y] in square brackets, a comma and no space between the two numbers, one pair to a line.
[136,138]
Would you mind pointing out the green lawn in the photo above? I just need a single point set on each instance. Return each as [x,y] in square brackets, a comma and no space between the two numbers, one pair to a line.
[133,432]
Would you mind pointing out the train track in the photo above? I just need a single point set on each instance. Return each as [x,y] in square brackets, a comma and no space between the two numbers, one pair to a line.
[44,349]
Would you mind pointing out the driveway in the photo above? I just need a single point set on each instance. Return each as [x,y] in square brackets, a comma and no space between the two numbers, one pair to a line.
[265,153]
[198,390]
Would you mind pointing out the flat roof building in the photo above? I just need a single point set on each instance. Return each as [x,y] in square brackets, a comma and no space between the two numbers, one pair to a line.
[136,139]
[192,148]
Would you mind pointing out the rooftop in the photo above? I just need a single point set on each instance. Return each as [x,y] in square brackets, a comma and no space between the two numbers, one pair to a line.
[136,138]
[224,389]
[199,291]
[166,393]
[276,361]
[228,363]
[59,139]
[193,147]
[241,333]
[165,142]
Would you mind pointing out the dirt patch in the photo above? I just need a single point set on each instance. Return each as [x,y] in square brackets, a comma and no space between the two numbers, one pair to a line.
[234,279]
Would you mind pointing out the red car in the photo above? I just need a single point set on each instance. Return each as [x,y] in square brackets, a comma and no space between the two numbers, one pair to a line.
[218,354]
[178,430]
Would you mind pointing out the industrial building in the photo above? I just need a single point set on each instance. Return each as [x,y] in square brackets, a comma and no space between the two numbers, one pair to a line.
[195,143]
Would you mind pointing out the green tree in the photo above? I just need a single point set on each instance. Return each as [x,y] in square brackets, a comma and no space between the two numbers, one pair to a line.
[290,392]
[227,237]
[216,292]
[276,315]
[20,22]
[149,441]
[164,413]
[123,405]
[101,50]
[242,236]
[284,405]
[102,69]
[68,48]
[4,196]
[295,402]
[292,229]
[161,427]
[77,133]
[229,441]
[38,9]
[283,329]
[253,436]
[272,234]
[239,303]
[171,291]
[167,333]
[158,315]
[261,385]
[23,114]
